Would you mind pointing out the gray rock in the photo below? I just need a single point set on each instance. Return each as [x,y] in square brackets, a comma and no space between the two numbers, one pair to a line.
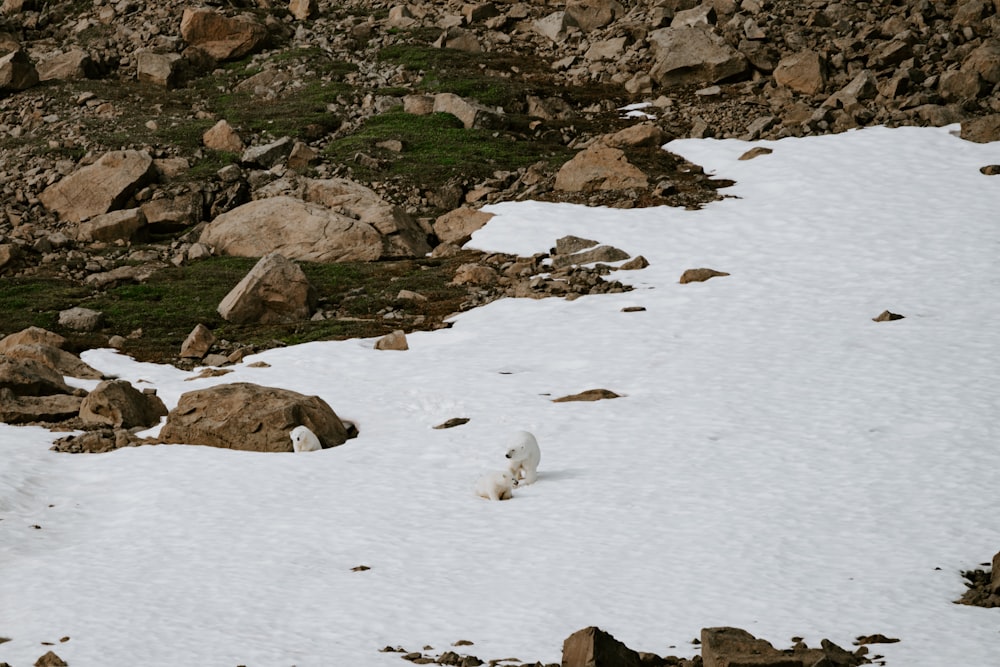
[81,319]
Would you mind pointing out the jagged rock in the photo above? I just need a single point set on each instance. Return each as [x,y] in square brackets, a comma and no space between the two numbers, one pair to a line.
[593,647]
[222,137]
[172,214]
[50,659]
[471,113]
[275,290]
[803,72]
[984,60]
[123,224]
[220,36]
[267,155]
[599,167]
[393,341]
[301,156]
[117,403]
[101,187]
[97,441]
[30,377]
[887,316]
[700,275]
[722,647]
[982,130]
[31,409]
[567,245]
[640,134]
[603,253]
[458,225]
[81,319]
[159,69]
[402,235]
[197,343]
[65,363]
[298,230]
[701,15]
[250,417]
[74,64]
[552,26]
[590,15]
[693,55]
[17,72]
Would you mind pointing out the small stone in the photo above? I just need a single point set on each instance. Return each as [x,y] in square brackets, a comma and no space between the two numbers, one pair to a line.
[757,151]
[700,275]
[886,316]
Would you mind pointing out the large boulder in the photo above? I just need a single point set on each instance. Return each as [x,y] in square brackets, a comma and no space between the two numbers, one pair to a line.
[117,403]
[275,290]
[16,409]
[593,647]
[221,36]
[693,55]
[725,646]
[30,377]
[74,64]
[17,72]
[982,130]
[401,234]
[599,167]
[101,187]
[61,361]
[32,335]
[250,417]
[122,224]
[298,230]
[803,72]
[458,225]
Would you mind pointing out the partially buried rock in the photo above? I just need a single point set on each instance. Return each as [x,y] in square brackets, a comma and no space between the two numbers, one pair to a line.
[589,395]
[392,341]
[117,403]
[593,647]
[886,316]
[250,417]
[700,275]
[756,151]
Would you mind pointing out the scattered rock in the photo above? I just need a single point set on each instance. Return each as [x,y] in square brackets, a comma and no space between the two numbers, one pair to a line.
[589,395]
[117,403]
[886,316]
[81,319]
[700,275]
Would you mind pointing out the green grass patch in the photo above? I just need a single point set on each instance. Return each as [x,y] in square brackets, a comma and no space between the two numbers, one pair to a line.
[436,148]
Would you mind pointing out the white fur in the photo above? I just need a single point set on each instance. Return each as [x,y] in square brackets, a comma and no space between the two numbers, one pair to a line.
[304,440]
[524,456]
[496,485]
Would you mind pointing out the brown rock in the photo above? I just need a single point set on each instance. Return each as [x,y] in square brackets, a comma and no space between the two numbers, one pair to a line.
[588,395]
[693,55]
[9,255]
[303,9]
[123,224]
[733,647]
[250,417]
[458,225]
[275,290]
[602,253]
[61,361]
[593,14]
[599,167]
[117,403]
[640,134]
[32,335]
[985,61]
[638,262]
[297,229]
[700,275]
[886,316]
[222,137]
[392,341]
[220,36]
[402,236]
[158,69]
[475,274]
[803,72]
[471,113]
[50,659]
[69,66]
[81,319]
[101,187]
[756,151]
[982,130]
[197,343]
[17,72]
[30,377]
[593,647]
[32,409]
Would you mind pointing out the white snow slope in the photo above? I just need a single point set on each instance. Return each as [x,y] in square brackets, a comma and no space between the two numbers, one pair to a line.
[777,461]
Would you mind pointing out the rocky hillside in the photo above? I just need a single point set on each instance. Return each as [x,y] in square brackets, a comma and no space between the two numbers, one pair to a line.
[145,137]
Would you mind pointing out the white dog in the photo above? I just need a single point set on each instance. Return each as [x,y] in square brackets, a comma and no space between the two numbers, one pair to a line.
[304,440]
[524,456]
[497,485]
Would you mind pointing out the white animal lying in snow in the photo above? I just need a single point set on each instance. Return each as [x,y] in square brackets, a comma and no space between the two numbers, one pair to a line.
[497,485]
[304,440]
[524,456]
